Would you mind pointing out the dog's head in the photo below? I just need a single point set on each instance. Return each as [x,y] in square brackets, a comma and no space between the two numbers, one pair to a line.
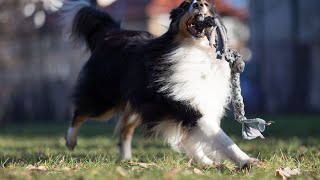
[183,18]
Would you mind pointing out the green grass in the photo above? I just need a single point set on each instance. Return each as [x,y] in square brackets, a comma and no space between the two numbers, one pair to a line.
[292,141]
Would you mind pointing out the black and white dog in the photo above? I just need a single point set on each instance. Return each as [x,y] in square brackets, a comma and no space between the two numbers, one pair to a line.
[172,85]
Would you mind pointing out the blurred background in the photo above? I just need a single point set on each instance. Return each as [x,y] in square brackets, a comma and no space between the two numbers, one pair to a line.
[280,40]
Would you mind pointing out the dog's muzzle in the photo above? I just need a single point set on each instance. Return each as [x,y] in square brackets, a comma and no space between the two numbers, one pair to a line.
[200,11]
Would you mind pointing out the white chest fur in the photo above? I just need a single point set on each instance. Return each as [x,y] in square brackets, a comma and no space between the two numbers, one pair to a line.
[199,78]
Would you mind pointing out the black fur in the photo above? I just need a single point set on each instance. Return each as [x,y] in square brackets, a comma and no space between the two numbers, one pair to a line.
[124,67]
[177,13]
[90,24]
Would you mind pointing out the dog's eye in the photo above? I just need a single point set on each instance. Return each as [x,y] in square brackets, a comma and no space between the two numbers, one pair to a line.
[195,5]
[206,4]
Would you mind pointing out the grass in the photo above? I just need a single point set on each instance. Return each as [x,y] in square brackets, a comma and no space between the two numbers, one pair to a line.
[293,141]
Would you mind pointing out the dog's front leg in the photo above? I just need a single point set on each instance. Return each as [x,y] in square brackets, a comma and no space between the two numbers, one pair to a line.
[218,141]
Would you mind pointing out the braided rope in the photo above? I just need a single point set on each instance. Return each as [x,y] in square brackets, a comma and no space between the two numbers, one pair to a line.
[251,128]
[217,36]
[237,66]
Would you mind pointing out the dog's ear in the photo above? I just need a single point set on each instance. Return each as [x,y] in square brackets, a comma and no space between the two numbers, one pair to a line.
[174,14]
[184,6]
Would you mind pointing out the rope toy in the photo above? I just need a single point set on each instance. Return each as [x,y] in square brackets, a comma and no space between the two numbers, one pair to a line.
[217,36]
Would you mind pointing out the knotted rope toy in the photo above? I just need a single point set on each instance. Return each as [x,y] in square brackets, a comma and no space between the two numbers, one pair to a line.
[217,36]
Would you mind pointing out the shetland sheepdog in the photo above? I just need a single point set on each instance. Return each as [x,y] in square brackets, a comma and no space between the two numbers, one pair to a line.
[172,85]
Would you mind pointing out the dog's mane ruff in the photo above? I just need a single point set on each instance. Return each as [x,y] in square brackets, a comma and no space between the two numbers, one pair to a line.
[188,73]
[197,78]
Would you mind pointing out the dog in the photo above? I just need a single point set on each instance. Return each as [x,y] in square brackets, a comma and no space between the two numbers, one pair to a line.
[172,85]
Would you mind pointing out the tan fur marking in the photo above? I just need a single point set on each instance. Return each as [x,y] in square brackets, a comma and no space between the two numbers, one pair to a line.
[128,130]
[128,122]
[106,115]
[78,120]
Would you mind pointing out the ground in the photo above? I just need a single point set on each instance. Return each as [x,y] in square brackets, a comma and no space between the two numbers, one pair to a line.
[37,151]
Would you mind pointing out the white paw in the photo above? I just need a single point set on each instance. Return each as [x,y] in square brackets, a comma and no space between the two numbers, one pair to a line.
[71,138]
[248,164]
[205,161]
[125,157]
[70,144]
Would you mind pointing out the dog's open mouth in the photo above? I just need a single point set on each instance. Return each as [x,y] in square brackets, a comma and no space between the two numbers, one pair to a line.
[191,25]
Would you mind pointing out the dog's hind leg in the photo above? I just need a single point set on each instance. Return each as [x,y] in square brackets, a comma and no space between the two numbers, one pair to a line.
[193,146]
[73,130]
[126,125]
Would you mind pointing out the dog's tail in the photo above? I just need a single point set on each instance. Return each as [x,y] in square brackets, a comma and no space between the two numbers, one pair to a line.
[86,22]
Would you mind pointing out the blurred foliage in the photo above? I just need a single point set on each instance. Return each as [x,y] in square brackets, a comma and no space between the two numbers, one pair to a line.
[20,18]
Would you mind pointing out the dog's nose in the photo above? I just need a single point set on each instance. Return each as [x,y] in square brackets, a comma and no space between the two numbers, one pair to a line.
[200,5]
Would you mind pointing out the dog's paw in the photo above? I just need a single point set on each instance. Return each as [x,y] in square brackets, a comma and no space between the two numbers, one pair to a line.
[204,162]
[125,157]
[70,144]
[250,163]
[71,137]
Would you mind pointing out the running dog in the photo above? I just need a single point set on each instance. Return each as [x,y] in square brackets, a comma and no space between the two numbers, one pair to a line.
[172,85]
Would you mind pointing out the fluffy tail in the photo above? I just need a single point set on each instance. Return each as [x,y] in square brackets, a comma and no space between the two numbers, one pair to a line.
[86,22]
